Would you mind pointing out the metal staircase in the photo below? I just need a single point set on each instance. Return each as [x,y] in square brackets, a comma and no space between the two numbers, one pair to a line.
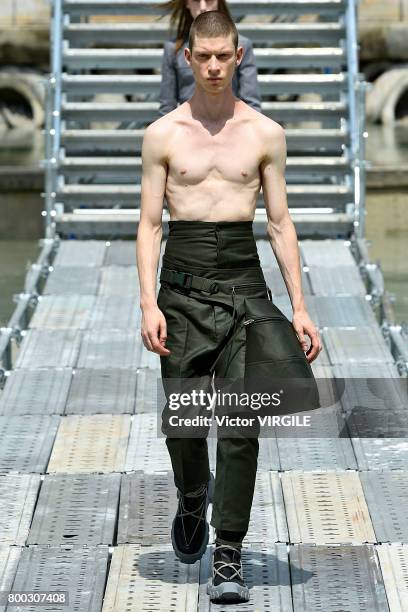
[93,165]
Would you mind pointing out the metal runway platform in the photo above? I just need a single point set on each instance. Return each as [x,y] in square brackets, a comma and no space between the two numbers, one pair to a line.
[86,488]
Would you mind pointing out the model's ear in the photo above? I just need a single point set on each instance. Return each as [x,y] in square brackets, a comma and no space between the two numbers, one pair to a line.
[240,55]
[187,55]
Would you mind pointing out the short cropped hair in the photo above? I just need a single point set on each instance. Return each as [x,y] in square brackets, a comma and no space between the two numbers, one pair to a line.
[212,24]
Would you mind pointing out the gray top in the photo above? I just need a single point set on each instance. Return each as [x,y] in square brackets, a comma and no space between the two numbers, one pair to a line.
[177,84]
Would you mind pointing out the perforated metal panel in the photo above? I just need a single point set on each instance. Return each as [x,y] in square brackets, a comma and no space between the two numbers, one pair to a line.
[266,572]
[149,390]
[394,567]
[346,280]
[151,579]
[267,521]
[68,280]
[284,304]
[275,282]
[119,280]
[42,348]
[80,571]
[148,452]
[18,494]
[110,349]
[39,391]
[78,509]
[377,387]
[387,500]
[381,454]
[316,454]
[95,443]
[365,422]
[326,422]
[356,345]
[120,253]
[102,391]
[115,312]
[9,558]
[343,311]
[334,578]
[26,442]
[325,508]
[63,312]
[326,253]
[80,253]
[148,504]
[149,359]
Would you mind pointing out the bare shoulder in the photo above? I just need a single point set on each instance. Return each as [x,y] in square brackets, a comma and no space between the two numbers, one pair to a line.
[272,137]
[157,135]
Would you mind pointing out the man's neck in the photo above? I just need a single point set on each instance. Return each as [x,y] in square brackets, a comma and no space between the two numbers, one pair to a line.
[212,109]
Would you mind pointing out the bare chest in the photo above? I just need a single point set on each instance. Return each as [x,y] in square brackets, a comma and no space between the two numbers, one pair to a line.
[232,155]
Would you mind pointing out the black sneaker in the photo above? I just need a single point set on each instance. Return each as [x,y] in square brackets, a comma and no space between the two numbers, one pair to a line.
[227,580]
[190,530]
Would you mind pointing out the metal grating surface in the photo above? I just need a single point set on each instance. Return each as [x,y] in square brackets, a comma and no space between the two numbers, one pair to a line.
[274,280]
[284,304]
[49,348]
[149,390]
[327,253]
[114,349]
[147,452]
[80,253]
[326,422]
[268,456]
[149,359]
[365,422]
[346,280]
[151,579]
[9,558]
[40,391]
[148,504]
[115,312]
[268,521]
[26,442]
[336,578]
[102,391]
[387,499]
[95,443]
[381,454]
[80,571]
[325,508]
[316,454]
[343,311]
[77,509]
[67,280]
[18,494]
[356,345]
[266,572]
[394,567]
[119,280]
[63,312]
[120,253]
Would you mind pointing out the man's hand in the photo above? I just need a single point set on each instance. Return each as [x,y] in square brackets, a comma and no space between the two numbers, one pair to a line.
[302,324]
[154,330]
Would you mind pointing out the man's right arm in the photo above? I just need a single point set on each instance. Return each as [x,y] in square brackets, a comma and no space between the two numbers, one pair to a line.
[149,235]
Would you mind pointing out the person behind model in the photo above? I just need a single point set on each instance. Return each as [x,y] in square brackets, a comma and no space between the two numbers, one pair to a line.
[209,158]
[177,82]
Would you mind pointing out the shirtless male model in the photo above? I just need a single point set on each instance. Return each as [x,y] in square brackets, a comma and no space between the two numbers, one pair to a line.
[209,158]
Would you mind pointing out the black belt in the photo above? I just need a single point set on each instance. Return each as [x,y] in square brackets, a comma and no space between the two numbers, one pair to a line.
[187,280]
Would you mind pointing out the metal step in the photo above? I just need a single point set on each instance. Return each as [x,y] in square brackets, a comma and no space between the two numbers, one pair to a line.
[91,84]
[118,195]
[111,140]
[236,7]
[82,33]
[289,57]
[130,168]
[148,111]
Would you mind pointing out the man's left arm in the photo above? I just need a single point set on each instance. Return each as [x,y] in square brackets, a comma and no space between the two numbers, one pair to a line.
[282,235]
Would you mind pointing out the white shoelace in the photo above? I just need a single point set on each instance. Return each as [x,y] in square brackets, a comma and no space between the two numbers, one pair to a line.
[223,564]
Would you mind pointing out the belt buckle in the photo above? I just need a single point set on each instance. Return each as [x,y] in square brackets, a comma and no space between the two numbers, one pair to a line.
[183,278]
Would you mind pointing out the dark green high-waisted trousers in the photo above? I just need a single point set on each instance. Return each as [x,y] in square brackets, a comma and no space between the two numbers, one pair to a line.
[198,324]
